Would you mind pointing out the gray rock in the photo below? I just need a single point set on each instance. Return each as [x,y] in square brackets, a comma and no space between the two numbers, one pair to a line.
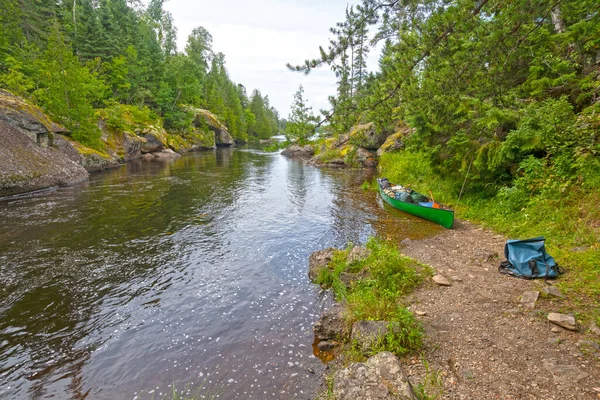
[567,375]
[380,378]
[406,242]
[26,166]
[148,156]
[153,143]
[441,280]
[563,320]
[358,253]
[366,158]
[368,333]
[529,298]
[298,151]
[132,146]
[318,261]
[223,138]
[552,291]
[594,328]
[554,341]
[367,136]
[331,325]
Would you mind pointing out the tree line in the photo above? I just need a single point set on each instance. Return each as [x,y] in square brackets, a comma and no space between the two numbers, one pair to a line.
[75,57]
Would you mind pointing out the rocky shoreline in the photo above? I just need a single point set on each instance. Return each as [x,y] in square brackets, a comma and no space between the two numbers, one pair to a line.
[38,153]
[361,147]
[487,335]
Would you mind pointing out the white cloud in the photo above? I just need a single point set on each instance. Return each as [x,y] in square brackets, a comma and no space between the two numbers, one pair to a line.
[259,37]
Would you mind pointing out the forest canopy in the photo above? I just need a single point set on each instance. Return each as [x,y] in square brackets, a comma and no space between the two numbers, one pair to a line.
[75,57]
[492,87]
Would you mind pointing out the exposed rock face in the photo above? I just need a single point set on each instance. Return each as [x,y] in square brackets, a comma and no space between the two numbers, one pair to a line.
[205,118]
[318,261]
[28,119]
[156,139]
[331,325]
[392,143]
[132,146]
[380,378]
[26,166]
[368,333]
[296,150]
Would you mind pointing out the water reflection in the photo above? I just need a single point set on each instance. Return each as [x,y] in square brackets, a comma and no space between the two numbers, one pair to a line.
[188,271]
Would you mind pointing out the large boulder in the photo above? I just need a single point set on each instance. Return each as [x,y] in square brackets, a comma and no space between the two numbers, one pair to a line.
[380,378]
[156,139]
[395,141]
[318,261]
[26,166]
[367,136]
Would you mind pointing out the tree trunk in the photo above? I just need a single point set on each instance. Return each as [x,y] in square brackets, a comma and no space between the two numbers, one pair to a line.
[557,21]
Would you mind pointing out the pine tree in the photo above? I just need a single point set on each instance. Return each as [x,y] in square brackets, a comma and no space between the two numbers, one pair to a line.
[301,121]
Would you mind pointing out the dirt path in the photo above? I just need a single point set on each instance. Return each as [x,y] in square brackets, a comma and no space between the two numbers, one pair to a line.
[480,338]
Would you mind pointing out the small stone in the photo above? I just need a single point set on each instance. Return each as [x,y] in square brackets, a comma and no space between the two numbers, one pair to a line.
[563,320]
[421,313]
[441,280]
[327,345]
[406,242]
[552,291]
[555,329]
[528,299]
[554,341]
[456,278]
[594,329]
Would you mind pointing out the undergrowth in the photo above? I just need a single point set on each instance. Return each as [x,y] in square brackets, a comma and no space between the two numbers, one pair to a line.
[539,202]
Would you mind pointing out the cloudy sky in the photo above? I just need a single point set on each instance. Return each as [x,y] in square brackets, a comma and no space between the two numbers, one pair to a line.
[258,38]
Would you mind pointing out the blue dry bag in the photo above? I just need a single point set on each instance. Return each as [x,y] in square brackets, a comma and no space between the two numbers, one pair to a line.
[528,259]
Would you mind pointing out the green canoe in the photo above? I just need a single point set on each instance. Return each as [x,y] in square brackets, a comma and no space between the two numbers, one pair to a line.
[442,216]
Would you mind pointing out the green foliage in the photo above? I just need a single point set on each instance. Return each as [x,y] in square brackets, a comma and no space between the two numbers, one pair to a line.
[68,90]
[301,122]
[121,117]
[75,58]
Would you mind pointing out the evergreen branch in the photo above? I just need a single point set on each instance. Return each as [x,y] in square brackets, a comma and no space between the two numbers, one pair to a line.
[309,65]
[424,54]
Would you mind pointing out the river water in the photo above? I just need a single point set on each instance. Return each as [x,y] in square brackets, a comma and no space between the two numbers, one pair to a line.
[190,272]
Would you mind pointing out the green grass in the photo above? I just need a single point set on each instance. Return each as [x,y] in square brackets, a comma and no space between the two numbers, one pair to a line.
[377,296]
[563,211]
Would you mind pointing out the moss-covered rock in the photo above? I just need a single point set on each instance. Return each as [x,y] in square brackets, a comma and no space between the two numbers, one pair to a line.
[27,118]
[395,142]
[367,136]
[205,119]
